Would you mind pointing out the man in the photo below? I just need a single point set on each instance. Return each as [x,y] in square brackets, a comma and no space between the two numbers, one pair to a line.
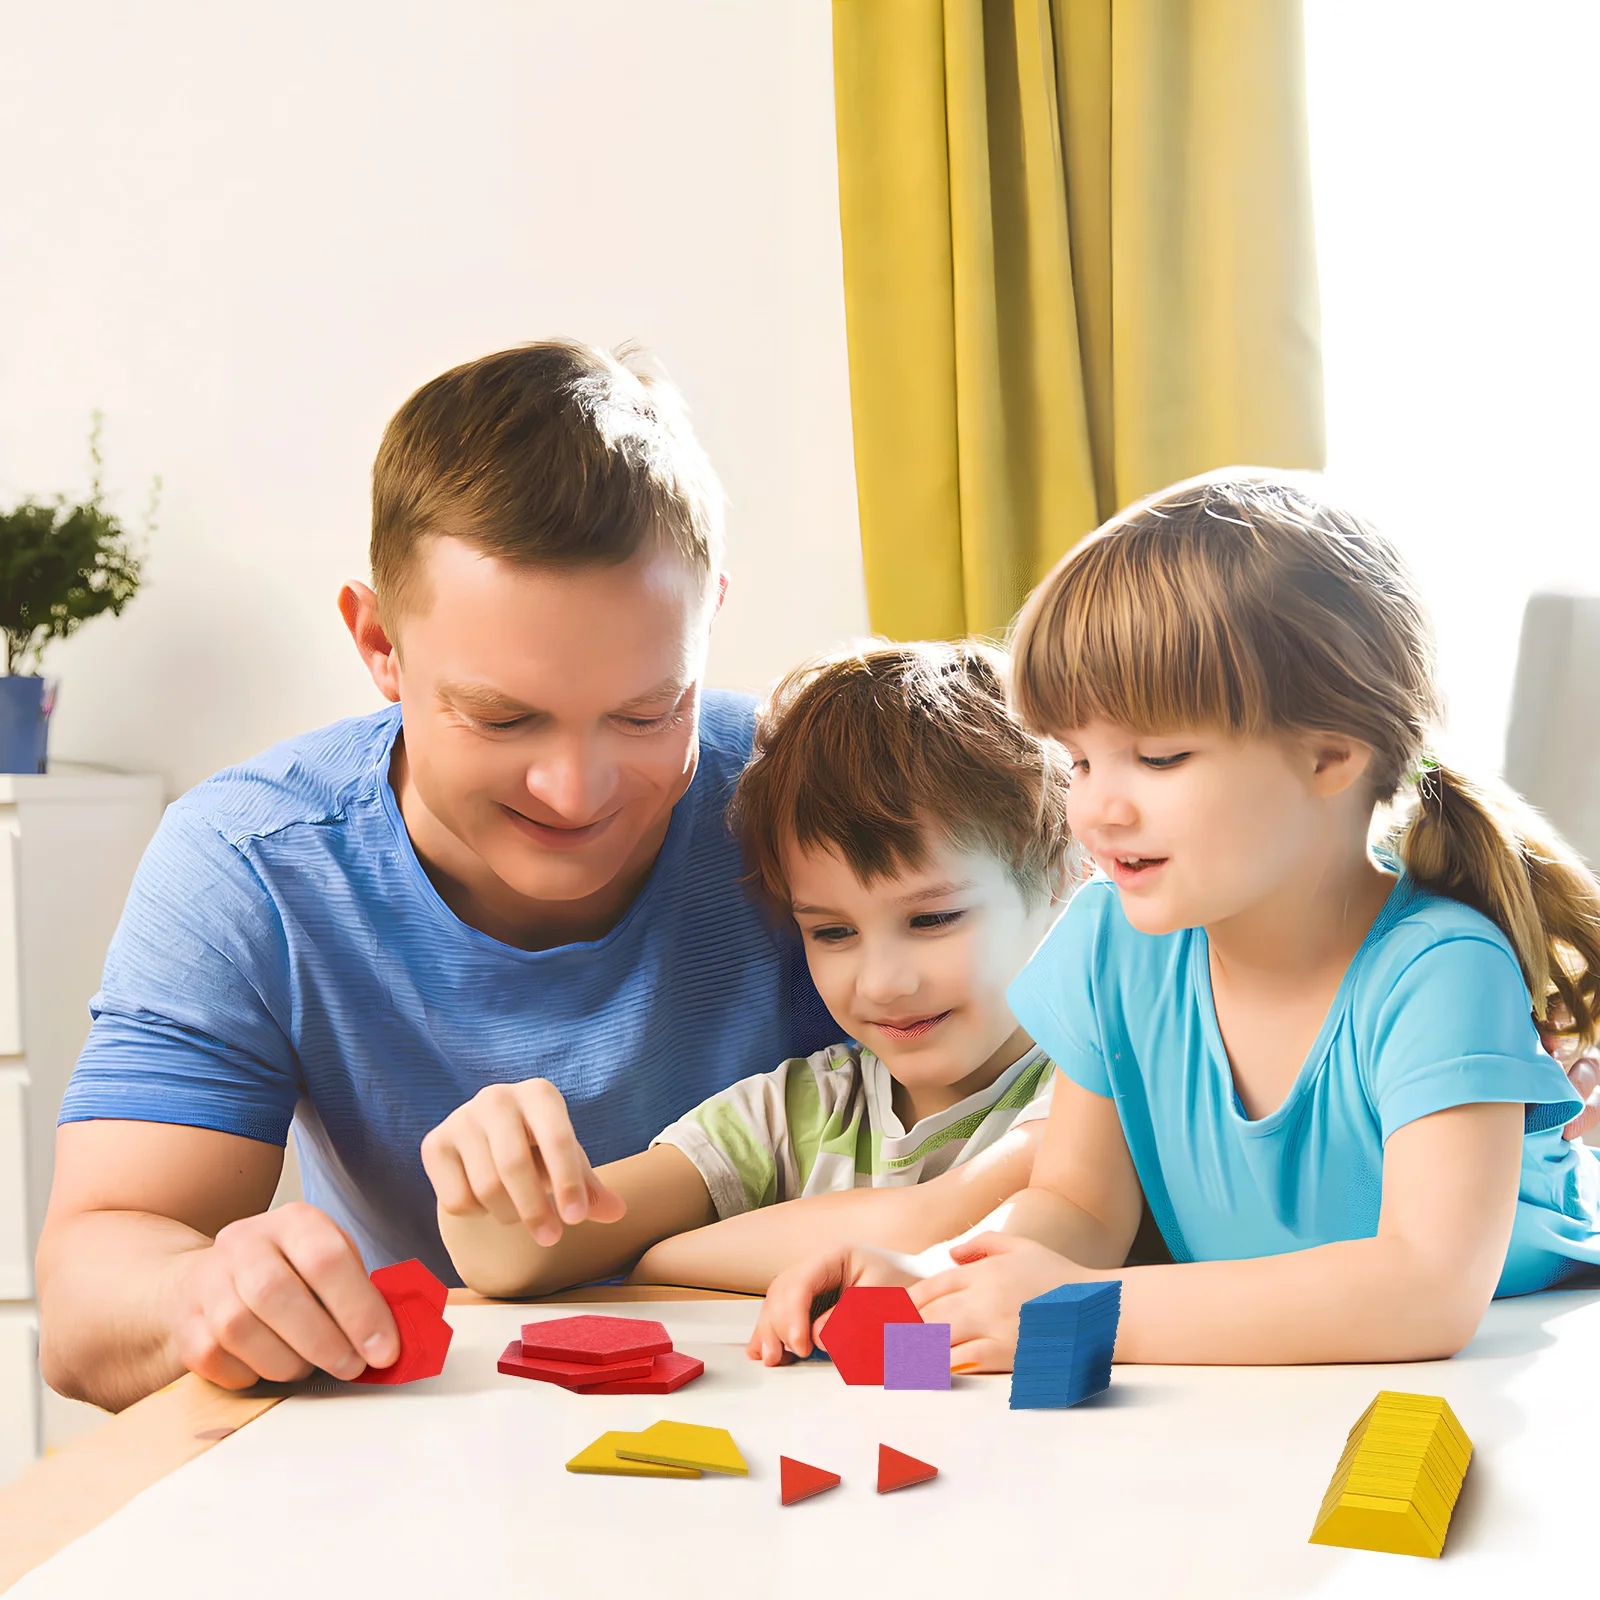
[518,874]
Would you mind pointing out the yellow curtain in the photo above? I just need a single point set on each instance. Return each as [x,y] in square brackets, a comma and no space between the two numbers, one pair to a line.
[1078,265]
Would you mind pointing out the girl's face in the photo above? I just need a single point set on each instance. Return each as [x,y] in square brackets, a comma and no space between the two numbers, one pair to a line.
[1197,827]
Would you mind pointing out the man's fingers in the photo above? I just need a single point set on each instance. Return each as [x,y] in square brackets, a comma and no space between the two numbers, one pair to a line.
[519,1170]
[550,1131]
[448,1175]
[472,1146]
[605,1205]
[328,1263]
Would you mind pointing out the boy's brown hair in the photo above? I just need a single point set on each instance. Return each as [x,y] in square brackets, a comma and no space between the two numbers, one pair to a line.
[551,454]
[869,751]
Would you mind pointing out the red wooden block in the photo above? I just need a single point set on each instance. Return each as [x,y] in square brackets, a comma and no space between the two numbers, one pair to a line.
[595,1340]
[853,1333]
[798,1480]
[668,1372]
[896,1470]
[424,1343]
[410,1278]
[568,1374]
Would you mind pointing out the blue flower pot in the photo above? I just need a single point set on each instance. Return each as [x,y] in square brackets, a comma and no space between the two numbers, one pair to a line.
[24,724]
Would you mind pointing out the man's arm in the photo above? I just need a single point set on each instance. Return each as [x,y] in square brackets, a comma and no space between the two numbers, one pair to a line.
[746,1252]
[158,1255]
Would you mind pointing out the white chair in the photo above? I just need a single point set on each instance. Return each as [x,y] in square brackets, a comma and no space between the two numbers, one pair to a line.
[1553,737]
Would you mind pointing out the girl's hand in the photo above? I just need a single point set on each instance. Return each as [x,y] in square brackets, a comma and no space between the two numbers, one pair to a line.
[982,1297]
[784,1328]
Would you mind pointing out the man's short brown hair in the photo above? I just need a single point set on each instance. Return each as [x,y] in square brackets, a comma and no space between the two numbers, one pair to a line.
[867,752]
[552,454]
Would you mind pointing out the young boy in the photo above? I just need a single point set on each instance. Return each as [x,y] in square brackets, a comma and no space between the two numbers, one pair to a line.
[917,836]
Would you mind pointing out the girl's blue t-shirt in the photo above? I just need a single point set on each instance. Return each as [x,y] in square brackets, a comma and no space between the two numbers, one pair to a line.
[1432,1013]
[283,955]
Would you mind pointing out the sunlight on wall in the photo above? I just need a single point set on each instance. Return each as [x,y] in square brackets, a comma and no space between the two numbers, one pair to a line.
[1454,153]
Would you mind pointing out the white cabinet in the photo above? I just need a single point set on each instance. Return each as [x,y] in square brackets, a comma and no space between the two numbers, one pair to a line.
[69,842]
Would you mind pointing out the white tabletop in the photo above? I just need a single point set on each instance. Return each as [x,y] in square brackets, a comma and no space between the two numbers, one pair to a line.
[1179,1481]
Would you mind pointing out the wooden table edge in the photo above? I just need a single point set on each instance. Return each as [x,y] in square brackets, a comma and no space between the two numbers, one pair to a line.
[75,1489]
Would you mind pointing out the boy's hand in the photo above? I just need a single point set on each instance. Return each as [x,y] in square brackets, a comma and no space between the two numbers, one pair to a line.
[510,1151]
[784,1326]
[981,1298]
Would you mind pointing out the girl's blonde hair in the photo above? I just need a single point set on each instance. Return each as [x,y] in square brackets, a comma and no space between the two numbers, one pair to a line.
[1245,601]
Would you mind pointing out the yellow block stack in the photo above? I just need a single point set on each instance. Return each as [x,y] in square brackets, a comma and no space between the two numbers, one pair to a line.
[1397,1481]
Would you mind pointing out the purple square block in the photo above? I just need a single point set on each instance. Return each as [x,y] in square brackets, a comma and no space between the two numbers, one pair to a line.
[916,1355]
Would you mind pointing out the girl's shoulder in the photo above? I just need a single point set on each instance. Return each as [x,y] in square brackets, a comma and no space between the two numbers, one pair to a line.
[1420,924]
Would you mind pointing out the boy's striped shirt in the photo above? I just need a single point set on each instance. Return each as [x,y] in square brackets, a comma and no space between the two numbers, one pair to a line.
[823,1123]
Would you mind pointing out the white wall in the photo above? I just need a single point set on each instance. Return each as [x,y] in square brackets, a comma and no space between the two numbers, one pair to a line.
[247,233]
[1454,154]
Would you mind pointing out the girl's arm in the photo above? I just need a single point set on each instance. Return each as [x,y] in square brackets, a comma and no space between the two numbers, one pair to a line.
[746,1252]
[1416,1291]
[661,1189]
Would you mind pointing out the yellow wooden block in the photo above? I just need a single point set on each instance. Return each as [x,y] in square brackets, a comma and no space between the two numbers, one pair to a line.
[1396,1484]
[601,1456]
[1364,1522]
[686,1444]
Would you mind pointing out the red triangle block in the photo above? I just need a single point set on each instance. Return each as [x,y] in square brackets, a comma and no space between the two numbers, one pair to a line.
[896,1470]
[799,1481]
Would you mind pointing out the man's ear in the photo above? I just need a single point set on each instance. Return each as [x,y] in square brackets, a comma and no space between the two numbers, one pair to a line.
[1338,761]
[358,605]
[722,592]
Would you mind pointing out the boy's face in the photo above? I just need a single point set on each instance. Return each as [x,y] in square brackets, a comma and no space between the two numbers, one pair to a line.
[550,716]
[915,966]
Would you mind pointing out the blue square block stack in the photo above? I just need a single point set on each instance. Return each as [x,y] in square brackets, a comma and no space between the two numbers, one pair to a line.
[1064,1345]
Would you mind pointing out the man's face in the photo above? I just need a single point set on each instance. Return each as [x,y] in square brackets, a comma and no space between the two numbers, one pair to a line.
[551,716]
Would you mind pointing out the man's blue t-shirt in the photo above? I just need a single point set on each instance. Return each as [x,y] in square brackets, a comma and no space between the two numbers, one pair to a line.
[1432,1013]
[283,955]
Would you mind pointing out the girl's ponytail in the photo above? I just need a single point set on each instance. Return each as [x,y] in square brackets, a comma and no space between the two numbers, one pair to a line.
[1478,843]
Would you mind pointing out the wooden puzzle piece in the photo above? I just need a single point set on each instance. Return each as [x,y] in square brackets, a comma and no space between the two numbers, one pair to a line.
[416,1300]
[916,1355]
[896,1470]
[576,1375]
[799,1480]
[686,1444]
[1396,1484]
[853,1334]
[595,1339]
[667,1374]
[602,1457]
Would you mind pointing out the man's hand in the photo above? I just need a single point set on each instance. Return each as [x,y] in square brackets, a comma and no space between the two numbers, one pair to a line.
[981,1298]
[784,1326]
[276,1295]
[510,1151]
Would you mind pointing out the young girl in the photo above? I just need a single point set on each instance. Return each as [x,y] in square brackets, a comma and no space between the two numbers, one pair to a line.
[1316,1060]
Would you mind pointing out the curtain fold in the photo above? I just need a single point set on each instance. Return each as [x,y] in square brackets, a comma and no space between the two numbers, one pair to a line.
[1079,264]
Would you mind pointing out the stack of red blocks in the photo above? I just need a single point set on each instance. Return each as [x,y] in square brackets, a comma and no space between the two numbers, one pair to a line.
[600,1355]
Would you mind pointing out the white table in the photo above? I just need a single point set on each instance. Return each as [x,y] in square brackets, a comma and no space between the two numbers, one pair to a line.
[1180,1481]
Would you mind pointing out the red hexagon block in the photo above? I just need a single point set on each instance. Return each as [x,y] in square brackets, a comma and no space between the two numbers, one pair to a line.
[853,1333]
[416,1299]
[597,1340]
[568,1374]
[668,1373]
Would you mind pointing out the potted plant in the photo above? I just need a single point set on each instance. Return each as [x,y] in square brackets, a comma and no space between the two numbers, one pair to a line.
[61,563]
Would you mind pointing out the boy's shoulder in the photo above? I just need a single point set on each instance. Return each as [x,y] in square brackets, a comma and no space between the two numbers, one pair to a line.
[312,779]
